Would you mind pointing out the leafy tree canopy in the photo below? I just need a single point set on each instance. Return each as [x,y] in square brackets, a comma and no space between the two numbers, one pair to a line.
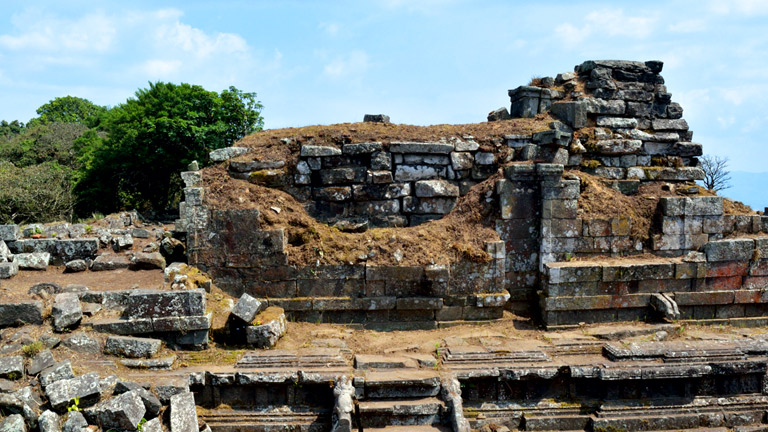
[154,136]
[70,109]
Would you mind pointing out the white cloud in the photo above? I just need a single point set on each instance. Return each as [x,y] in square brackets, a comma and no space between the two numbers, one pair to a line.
[607,22]
[689,26]
[90,33]
[726,122]
[353,64]
[742,7]
[332,29]
[160,69]
[197,42]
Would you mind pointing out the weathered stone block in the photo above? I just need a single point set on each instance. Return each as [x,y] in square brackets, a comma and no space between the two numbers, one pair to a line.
[729,250]
[226,153]
[19,313]
[132,347]
[59,371]
[8,269]
[419,303]
[665,124]
[377,192]
[414,147]
[559,209]
[181,323]
[332,193]
[361,148]
[428,205]
[155,304]
[270,326]
[33,260]
[247,307]
[12,367]
[334,176]
[405,173]
[123,412]
[705,298]
[436,188]
[183,413]
[9,233]
[86,388]
[66,312]
[703,206]
[318,151]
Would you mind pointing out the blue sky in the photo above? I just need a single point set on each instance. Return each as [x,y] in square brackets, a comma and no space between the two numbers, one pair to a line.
[421,62]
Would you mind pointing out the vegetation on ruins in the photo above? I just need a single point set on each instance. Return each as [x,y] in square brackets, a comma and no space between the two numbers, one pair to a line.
[716,174]
[77,158]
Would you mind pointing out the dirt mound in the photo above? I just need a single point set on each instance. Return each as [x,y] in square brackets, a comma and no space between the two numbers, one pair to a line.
[284,144]
[461,233]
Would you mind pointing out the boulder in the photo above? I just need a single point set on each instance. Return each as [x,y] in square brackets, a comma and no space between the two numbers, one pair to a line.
[86,388]
[147,261]
[123,412]
[122,242]
[76,266]
[110,262]
[66,312]
[12,367]
[32,260]
[183,413]
[132,347]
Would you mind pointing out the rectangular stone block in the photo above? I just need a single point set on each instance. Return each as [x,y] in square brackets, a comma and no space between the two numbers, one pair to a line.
[759,295]
[387,273]
[561,227]
[334,176]
[559,209]
[181,323]
[704,206]
[414,303]
[361,148]
[416,147]
[685,270]
[405,173]
[20,313]
[759,268]
[153,304]
[329,287]
[449,313]
[663,285]
[704,298]
[375,303]
[730,250]
[557,274]
[724,283]
[9,233]
[292,304]
[727,268]
[332,304]
[471,313]
[672,206]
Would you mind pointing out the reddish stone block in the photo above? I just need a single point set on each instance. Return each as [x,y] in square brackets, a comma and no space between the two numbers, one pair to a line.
[760,268]
[727,268]
[724,283]
[759,283]
[618,288]
[666,286]
[704,298]
[751,296]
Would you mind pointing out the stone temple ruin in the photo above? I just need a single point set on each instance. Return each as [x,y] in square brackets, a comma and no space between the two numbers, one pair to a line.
[630,298]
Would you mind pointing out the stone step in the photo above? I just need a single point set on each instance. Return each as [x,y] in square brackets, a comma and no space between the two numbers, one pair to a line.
[401,383]
[267,420]
[371,361]
[401,412]
[480,354]
[301,358]
[421,428]
[556,422]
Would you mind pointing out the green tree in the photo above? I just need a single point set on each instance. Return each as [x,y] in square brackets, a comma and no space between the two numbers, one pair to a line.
[70,109]
[153,136]
[9,129]
[37,193]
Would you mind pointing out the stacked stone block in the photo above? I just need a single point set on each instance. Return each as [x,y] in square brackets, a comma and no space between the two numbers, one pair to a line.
[688,223]
[400,184]
[728,282]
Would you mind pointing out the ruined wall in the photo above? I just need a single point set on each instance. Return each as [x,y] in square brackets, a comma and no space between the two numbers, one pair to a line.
[615,120]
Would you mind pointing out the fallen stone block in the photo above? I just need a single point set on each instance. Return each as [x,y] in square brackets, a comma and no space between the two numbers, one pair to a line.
[165,363]
[110,262]
[49,421]
[123,412]
[269,326]
[14,314]
[182,324]
[75,422]
[9,233]
[75,266]
[32,260]
[132,347]
[147,261]
[151,403]
[123,326]
[183,413]
[13,423]
[8,269]
[61,393]
[226,153]
[499,114]
[81,342]
[59,371]
[66,312]
[247,308]
[42,360]
[12,368]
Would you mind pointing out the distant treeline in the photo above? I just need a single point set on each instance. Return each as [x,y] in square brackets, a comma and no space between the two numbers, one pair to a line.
[77,158]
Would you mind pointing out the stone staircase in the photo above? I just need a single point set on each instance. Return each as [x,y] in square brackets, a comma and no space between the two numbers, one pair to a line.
[397,395]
